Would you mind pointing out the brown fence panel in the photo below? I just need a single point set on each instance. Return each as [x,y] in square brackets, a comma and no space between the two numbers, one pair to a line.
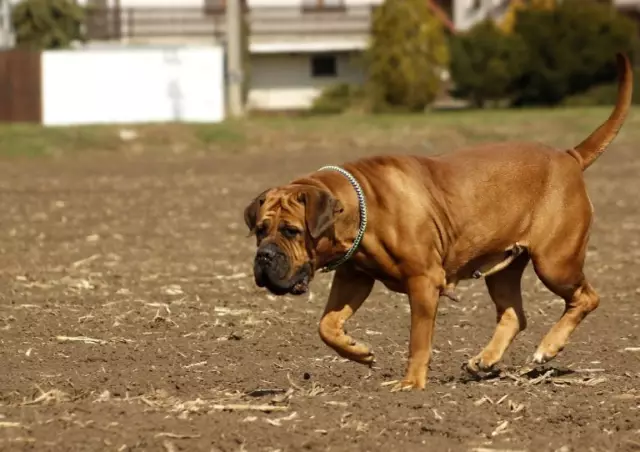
[20,86]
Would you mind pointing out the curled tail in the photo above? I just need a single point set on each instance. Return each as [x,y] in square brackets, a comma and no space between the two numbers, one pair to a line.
[596,143]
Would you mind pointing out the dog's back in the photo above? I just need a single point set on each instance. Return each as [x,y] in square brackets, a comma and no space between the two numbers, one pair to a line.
[488,197]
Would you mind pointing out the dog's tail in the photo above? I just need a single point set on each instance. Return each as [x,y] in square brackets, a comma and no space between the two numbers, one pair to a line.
[596,143]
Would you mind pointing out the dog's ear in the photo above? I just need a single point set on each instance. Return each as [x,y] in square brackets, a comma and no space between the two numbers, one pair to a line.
[252,210]
[321,209]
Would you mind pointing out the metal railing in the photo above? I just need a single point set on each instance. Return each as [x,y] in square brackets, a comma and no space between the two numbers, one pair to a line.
[307,20]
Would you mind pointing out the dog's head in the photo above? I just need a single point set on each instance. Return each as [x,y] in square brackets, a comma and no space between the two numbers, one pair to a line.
[289,223]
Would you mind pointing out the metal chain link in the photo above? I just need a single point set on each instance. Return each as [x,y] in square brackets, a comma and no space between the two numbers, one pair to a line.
[362,207]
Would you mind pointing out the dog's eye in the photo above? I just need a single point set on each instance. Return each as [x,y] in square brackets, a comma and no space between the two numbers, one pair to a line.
[290,232]
[261,230]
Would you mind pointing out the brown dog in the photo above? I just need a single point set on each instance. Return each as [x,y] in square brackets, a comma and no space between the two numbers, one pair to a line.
[431,222]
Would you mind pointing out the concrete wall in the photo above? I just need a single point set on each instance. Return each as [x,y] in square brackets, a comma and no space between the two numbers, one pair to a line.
[285,81]
[132,85]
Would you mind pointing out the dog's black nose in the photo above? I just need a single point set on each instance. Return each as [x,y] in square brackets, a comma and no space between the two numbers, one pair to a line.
[265,254]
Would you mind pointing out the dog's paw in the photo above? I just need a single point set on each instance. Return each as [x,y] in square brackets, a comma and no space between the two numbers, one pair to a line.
[358,352]
[415,378]
[407,385]
[545,354]
[367,359]
[477,366]
[541,357]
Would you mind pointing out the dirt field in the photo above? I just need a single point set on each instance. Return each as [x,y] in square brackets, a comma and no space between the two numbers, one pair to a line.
[143,253]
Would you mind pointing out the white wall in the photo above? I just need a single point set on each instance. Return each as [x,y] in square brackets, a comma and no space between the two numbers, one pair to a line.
[465,14]
[129,85]
[284,81]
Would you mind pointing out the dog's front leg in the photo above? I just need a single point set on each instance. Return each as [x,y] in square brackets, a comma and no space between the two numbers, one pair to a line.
[349,290]
[423,298]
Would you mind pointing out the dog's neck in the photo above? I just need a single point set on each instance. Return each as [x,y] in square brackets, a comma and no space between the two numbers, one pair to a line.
[347,224]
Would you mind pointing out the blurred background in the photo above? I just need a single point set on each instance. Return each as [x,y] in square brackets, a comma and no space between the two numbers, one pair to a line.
[70,62]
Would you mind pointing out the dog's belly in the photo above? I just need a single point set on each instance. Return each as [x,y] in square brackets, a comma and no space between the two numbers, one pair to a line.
[464,267]
[485,264]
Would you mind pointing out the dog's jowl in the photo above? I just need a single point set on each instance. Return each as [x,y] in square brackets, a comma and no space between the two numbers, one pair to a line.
[420,225]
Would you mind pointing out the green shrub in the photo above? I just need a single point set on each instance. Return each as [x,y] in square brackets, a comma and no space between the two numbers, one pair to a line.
[484,63]
[569,49]
[47,24]
[407,52]
[338,98]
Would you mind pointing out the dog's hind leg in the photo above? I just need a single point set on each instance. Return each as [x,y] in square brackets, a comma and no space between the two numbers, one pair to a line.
[348,291]
[505,291]
[559,264]
[563,275]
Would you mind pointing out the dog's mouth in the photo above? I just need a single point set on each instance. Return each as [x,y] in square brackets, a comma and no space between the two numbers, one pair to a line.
[298,284]
[302,286]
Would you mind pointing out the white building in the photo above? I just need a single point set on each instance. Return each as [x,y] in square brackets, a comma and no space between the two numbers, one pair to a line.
[466,13]
[6,34]
[297,47]
[623,4]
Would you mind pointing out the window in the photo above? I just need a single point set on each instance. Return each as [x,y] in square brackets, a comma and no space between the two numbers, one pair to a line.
[324,66]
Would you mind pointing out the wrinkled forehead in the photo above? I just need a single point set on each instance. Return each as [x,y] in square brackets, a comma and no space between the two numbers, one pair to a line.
[283,203]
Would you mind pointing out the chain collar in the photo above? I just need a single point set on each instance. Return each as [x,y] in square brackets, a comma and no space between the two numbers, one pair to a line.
[362,207]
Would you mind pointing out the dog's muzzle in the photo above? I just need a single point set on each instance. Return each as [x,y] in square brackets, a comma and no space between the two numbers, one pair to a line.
[270,270]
